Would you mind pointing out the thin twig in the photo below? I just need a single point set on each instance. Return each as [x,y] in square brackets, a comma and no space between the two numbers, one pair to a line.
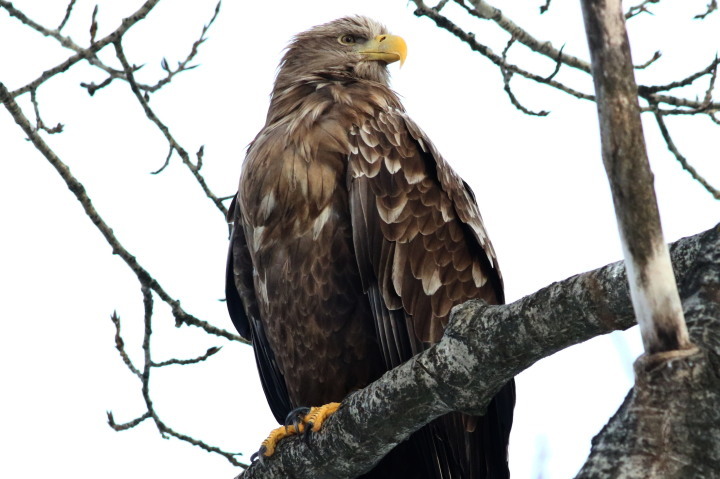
[507,75]
[120,346]
[68,12]
[712,6]
[93,24]
[558,65]
[125,425]
[39,123]
[681,159]
[186,362]
[692,106]
[644,90]
[656,56]
[167,162]
[640,8]
[92,87]
[711,86]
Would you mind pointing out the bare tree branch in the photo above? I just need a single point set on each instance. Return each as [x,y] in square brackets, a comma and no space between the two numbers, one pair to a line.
[186,362]
[683,161]
[486,11]
[65,41]
[658,97]
[88,53]
[507,75]
[689,80]
[669,424]
[39,123]
[174,145]
[145,375]
[469,38]
[145,278]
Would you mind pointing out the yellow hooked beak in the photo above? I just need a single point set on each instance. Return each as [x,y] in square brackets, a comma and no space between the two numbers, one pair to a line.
[385,48]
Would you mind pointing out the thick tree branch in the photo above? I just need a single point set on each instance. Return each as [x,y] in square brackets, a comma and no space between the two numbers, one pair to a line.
[669,424]
[652,285]
[483,347]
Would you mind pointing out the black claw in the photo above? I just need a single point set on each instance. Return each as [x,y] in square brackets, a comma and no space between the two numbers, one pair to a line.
[259,456]
[294,417]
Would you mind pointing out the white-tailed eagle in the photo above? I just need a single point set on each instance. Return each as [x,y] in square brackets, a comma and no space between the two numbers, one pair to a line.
[352,240]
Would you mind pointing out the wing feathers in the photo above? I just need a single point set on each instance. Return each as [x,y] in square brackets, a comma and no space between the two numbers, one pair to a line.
[425,248]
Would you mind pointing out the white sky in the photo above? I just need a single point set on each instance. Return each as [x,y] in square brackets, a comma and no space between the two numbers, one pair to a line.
[539,183]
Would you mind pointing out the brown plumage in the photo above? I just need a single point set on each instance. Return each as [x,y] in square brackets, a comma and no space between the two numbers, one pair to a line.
[353,239]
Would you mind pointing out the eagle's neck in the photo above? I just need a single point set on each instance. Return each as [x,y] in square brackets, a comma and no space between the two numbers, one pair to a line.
[291,94]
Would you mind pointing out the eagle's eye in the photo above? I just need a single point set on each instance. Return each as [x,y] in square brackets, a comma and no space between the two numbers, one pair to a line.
[347,39]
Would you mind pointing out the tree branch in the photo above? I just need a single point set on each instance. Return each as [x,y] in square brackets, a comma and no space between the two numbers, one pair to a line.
[144,376]
[681,158]
[483,347]
[652,285]
[77,188]
[469,38]
[669,424]
[174,145]
[89,52]
[482,10]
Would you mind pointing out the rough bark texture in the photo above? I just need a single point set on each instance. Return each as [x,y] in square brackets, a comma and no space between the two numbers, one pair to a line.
[669,425]
[483,347]
[654,293]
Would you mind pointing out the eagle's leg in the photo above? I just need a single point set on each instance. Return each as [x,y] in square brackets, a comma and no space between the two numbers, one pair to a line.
[300,420]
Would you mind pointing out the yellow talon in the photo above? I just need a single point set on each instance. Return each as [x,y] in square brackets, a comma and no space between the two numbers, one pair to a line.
[315,419]
[317,415]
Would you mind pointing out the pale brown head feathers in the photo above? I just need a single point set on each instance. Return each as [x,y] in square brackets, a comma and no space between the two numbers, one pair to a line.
[353,47]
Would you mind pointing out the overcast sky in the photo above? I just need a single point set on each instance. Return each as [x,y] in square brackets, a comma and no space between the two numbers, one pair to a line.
[539,183]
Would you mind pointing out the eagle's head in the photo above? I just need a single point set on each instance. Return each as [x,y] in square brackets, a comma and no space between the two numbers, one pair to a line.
[358,46]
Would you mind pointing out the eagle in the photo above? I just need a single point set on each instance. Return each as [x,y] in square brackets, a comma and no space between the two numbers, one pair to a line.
[352,240]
